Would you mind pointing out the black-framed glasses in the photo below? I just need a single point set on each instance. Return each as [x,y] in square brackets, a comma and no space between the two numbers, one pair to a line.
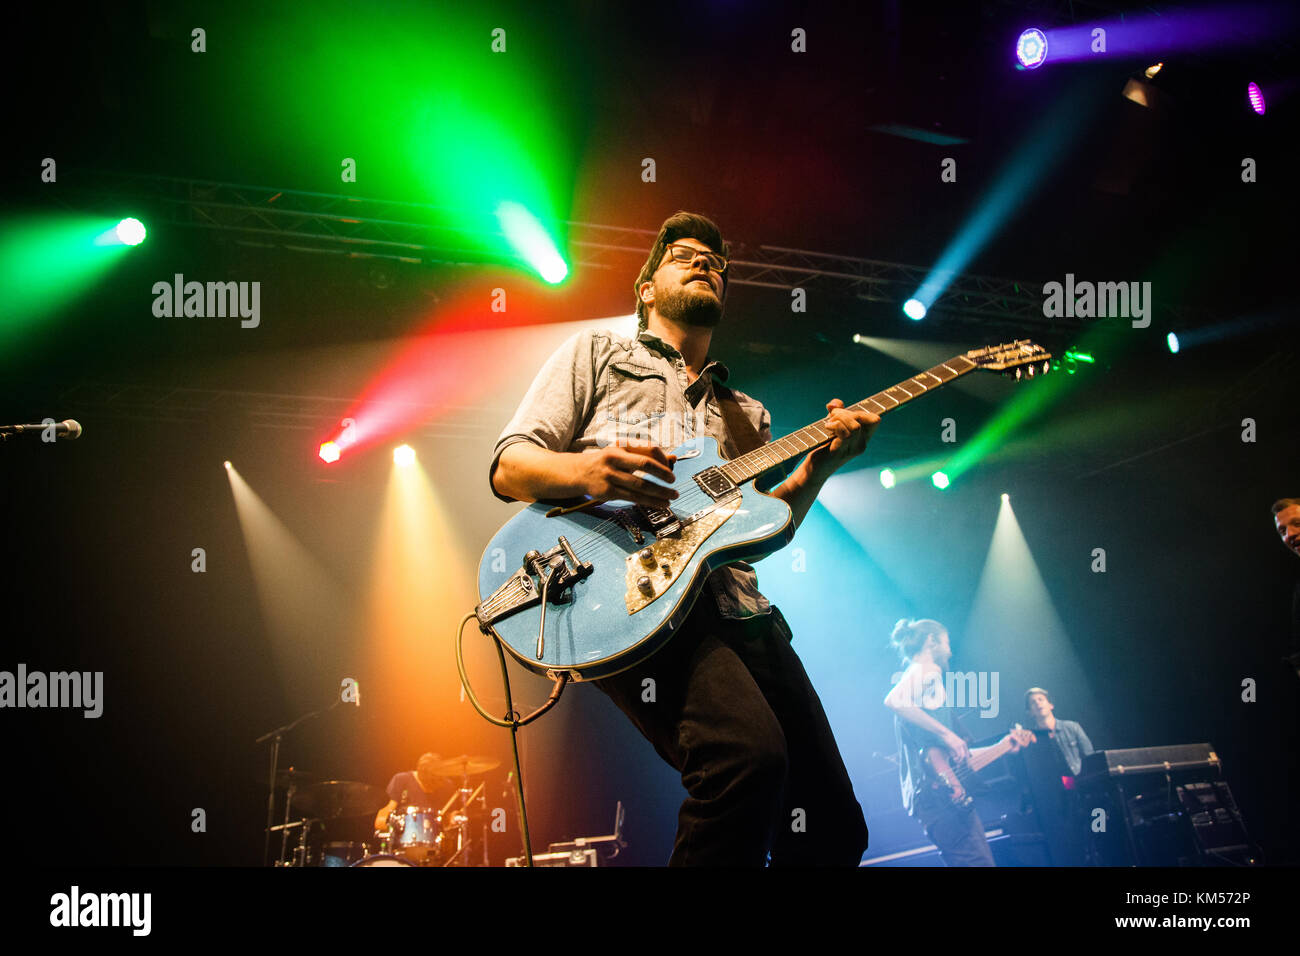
[686,255]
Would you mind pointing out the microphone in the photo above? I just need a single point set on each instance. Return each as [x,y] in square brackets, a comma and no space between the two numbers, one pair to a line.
[68,429]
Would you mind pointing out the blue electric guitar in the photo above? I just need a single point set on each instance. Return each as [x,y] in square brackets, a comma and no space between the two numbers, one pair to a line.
[593,590]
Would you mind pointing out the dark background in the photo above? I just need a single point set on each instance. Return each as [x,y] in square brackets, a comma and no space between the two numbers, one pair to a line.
[1143,457]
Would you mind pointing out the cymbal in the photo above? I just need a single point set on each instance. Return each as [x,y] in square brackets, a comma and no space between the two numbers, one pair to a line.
[339,798]
[285,778]
[464,765]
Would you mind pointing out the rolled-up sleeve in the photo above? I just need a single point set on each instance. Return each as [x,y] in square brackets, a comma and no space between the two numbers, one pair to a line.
[556,406]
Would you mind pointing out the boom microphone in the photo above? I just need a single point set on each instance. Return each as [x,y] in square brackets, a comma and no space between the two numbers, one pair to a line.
[66,429]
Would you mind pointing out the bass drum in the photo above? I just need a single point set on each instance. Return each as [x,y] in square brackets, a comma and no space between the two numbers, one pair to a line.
[383,859]
[343,854]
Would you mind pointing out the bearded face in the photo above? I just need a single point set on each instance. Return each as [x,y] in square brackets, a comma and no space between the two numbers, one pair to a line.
[688,293]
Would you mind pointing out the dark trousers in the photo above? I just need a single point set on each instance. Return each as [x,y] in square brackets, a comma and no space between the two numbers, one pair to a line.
[733,711]
[957,832]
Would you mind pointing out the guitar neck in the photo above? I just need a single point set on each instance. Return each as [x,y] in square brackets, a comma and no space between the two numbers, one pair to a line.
[813,436]
[981,758]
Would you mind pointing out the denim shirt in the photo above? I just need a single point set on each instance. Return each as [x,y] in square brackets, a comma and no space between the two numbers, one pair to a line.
[1073,743]
[600,388]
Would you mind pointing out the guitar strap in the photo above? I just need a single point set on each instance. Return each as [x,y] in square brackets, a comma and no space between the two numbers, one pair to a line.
[744,437]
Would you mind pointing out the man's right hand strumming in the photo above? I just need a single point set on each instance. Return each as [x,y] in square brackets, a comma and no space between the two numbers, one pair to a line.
[531,473]
[616,472]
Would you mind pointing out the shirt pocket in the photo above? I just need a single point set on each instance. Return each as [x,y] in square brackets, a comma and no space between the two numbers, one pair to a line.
[635,395]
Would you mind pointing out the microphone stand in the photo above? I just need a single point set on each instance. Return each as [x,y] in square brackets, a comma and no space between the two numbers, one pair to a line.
[275,736]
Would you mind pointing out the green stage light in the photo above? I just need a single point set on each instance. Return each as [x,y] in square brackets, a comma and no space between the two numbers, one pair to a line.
[940,480]
[887,477]
[527,236]
[130,231]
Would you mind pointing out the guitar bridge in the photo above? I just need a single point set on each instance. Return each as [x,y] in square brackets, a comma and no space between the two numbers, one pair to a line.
[524,588]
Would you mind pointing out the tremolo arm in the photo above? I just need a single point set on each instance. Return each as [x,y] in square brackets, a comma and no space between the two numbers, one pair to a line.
[556,571]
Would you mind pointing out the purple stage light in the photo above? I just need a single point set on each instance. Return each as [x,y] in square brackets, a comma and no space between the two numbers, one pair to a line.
[1031,48]
[1256,98]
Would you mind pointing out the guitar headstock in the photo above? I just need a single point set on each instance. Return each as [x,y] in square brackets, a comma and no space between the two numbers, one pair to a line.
[1021,358]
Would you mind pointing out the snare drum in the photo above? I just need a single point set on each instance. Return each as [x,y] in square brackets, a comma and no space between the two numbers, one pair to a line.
[343,854]
[417,834]
[383,859]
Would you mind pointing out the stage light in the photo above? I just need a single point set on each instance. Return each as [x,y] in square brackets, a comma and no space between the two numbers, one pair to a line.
[1171,340]
[529,238]
[404,455]
[226,465]
[1140,92]
[1256,97]
[1005,496]
[130,231]
[1153,70]
[330,452]
[914,309]
[887,477]
[939,480]
[1031,48]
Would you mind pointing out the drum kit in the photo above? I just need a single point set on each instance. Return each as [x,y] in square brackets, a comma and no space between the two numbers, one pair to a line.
[455,835]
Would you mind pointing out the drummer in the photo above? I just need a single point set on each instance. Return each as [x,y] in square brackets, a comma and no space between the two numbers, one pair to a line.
[423,789]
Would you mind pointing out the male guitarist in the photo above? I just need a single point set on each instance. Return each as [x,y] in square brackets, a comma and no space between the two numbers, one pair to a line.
[730,706]
[922,721]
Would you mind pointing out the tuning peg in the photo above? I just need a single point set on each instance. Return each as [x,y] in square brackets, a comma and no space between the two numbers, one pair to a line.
[1047,367]
[1019,371]
[1030,370]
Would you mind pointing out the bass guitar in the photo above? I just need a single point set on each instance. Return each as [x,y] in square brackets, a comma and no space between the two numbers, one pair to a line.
[589,592]
[941,775]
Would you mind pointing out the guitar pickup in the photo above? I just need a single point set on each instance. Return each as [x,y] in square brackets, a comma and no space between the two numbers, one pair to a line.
[662,521]
[715,483]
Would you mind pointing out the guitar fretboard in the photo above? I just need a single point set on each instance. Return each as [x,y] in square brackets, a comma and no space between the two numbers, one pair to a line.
[813,436]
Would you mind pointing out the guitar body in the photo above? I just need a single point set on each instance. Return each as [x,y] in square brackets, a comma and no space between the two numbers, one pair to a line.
[942,777]
[591,633]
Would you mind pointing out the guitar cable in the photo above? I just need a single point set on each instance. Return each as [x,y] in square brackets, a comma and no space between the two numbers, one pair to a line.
[512,719]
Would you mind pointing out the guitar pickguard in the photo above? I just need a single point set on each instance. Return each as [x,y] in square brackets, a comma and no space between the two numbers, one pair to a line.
[650,575]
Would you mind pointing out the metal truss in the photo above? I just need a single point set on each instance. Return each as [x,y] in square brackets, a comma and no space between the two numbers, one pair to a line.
[280,411]
[365,228]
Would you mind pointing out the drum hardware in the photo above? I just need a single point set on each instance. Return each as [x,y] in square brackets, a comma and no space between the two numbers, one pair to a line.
[275,737]
[300,855]
[459,822]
